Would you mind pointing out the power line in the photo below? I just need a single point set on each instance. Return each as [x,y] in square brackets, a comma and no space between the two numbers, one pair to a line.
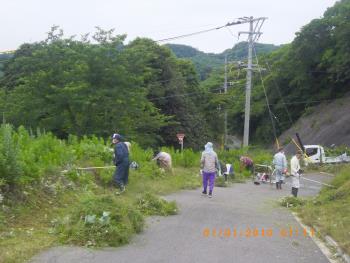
[301,102]
[166,80]
[295,102]
[190,34]
[308,71]
[184,94]
[229,30]
[280,94]
[239,21]
[266,98]
[257,36]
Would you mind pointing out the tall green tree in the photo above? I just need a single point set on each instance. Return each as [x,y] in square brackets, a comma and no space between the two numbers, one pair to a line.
[173,87]
[75,87]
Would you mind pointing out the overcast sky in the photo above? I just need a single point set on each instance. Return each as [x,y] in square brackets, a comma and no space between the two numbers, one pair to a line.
[29,20]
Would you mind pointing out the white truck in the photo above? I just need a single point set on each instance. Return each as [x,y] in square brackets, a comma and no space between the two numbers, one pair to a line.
[317,155]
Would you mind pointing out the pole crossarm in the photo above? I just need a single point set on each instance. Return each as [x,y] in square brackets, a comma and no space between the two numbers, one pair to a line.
[250,33]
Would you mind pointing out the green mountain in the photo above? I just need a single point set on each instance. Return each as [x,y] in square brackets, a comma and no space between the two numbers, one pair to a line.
[239,51]
[205,63]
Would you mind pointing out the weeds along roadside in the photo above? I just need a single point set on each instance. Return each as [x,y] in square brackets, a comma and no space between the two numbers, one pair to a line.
[329,211]
[41,207]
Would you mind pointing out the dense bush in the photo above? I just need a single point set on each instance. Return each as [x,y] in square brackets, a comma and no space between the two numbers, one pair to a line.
[187,158]
[107,221]
[99,221]
[27,157]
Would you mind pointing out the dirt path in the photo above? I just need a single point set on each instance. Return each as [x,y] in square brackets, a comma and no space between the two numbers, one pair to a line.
[182,238]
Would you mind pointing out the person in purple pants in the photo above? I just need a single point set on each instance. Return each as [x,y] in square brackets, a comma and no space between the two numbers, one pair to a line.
[209,166]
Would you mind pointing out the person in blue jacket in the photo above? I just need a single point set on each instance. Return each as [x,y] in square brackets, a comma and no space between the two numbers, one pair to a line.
[121,160]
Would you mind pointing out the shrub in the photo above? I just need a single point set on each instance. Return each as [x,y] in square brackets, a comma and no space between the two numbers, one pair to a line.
[99,221]
[291,201]
[149,204]
[10,166]
[337,150]
[151,170]
[187,158]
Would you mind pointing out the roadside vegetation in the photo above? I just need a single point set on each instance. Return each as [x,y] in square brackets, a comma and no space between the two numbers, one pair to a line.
[45,200]
[329,211]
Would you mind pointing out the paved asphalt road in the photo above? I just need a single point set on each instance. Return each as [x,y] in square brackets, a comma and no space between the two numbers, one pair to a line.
[189,236]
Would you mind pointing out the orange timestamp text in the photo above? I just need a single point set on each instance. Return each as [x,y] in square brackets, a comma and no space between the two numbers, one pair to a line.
[258,232]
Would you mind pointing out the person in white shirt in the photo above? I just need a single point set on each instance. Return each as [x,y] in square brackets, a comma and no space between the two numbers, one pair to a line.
[281,167]
[163,160]
[295,172]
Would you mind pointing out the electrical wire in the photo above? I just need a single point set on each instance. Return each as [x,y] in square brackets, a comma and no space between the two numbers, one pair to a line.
[201,32]
[257,36]
[302,102]
[280,94]
[229,30]
[190,34]
[266,98]
[184,94]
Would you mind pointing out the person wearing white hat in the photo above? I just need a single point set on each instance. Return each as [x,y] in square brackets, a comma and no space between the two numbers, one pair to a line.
[209,167]
[121,160]
[295,172]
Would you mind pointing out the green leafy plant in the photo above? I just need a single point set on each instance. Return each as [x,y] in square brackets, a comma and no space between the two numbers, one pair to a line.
[149,204]
[10,166]
[99,221]
[291,201]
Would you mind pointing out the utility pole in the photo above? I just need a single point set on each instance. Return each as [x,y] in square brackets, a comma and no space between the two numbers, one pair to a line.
[225,113]
[248,85]
[253,34]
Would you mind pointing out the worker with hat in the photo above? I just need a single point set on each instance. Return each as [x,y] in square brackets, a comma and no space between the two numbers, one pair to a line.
[281,167]
[121,160]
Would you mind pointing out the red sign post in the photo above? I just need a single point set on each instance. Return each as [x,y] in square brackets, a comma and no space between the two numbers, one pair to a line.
[180,137]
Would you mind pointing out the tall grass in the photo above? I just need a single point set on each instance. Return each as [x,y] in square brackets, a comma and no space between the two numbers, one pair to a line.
[187,158]
[81,207]
[77,207]
[10,166]
[26,158]
[330,210]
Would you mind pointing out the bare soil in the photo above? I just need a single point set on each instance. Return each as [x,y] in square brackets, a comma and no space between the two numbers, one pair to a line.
[328,124]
